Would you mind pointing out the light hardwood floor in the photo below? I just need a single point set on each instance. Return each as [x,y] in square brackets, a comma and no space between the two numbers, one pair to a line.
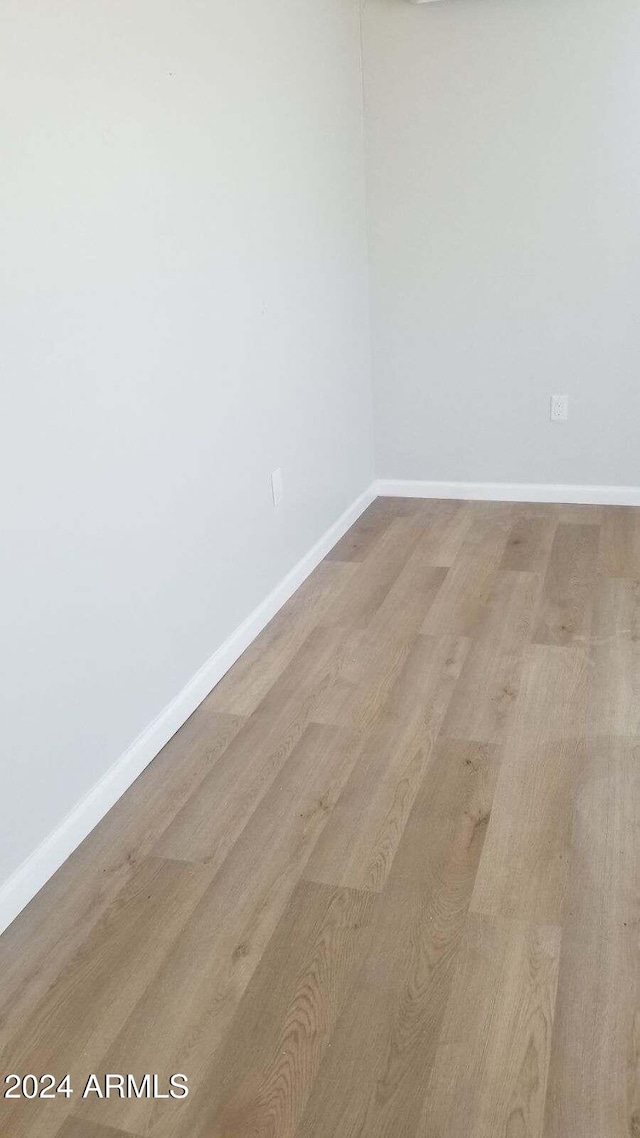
[386,880]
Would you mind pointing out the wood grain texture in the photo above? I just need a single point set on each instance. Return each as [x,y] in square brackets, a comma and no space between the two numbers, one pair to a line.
[594,1079]
[209,823]
[584,515]
[614,675]
[90,1000]
[367,669]
[36,948]
[564,616]
[552,698]
[463,597]
[182,1018]
[361,539]
[620,542]
[385,1040]
[79,1128]
[527,851]
[357,602]
[282,1030]
[247,683]
[85,886]
[529,544]
[359,844]
[446,533]
[491,1067]
[385,882]
[484,699]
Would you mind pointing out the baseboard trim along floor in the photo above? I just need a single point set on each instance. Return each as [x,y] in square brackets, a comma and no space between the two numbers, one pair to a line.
[29,878]
[385,878]
[510,492]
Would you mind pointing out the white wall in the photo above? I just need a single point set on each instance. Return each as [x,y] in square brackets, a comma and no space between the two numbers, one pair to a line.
[183,307]
[504,203]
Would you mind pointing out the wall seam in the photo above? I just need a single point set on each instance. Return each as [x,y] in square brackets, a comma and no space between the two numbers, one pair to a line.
[367,234]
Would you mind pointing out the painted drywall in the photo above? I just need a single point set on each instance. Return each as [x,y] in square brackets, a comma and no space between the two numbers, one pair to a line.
[503,143]
[183,306]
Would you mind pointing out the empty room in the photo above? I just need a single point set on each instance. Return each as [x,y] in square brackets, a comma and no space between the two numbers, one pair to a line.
[320,569]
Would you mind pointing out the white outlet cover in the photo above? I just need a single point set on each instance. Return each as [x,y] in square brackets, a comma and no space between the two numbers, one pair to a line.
[559,408]
[277,486]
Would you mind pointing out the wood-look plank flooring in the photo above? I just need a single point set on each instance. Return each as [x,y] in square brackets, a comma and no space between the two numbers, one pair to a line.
[385,883]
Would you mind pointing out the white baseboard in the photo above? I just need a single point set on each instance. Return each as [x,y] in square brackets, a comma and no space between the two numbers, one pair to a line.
[510,492]
[29,878]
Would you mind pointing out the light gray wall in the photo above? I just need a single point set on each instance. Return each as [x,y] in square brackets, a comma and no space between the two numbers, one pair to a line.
[183,308]
[504,203]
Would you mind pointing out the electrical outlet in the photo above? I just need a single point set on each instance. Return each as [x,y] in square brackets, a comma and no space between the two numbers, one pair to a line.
[559,408]
[277,486]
